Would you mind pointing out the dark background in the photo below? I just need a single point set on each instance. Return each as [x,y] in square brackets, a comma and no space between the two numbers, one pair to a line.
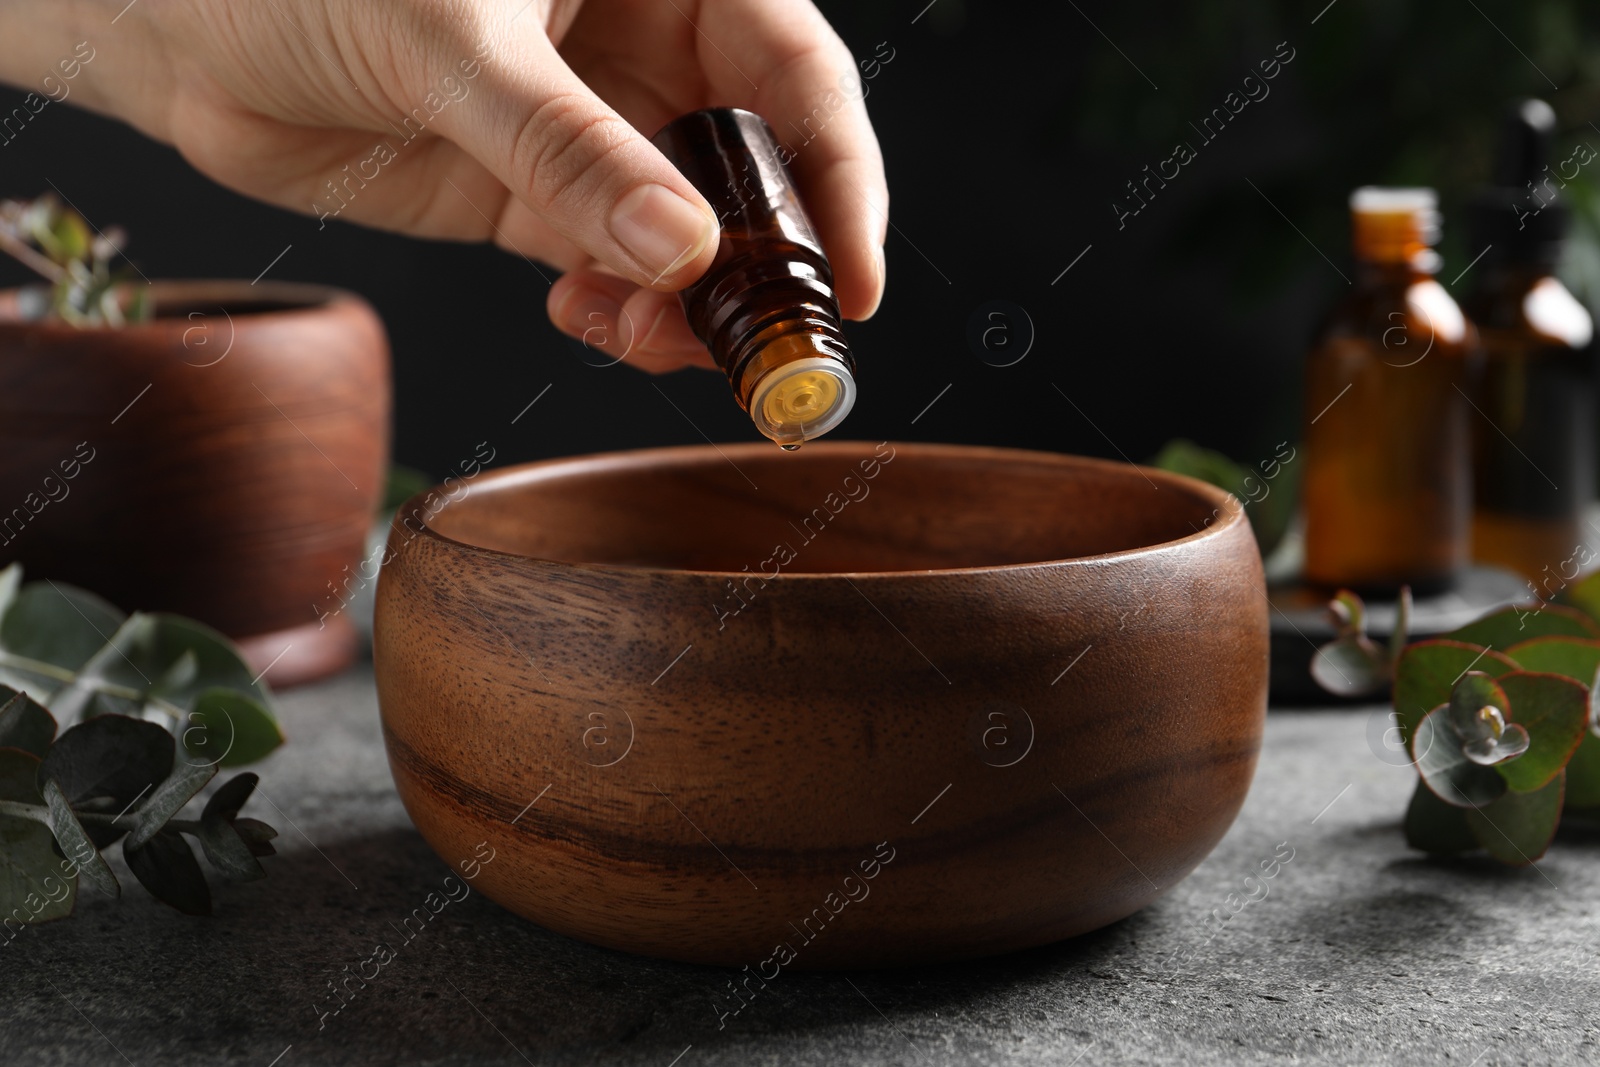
[1009,130]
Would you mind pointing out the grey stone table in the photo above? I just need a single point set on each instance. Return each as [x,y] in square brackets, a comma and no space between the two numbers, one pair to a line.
[1361,953]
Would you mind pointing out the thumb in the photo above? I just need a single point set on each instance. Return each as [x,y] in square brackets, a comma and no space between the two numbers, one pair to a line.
[582,168]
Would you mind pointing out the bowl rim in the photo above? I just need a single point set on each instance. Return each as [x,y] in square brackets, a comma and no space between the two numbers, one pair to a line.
[1227,507]
[301,299]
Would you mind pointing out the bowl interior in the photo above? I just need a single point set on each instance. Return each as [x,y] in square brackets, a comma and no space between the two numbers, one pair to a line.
[837,507]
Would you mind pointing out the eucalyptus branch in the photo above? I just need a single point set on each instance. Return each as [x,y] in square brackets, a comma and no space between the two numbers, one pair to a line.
[195,706]
[96,685]
[53,240]
[1499,718]
[21,809]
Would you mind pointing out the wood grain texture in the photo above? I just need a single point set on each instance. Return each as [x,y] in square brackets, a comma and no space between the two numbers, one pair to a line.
[239,445]
[1036,682]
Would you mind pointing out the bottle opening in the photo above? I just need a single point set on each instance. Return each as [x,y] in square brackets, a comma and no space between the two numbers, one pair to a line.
[802,400]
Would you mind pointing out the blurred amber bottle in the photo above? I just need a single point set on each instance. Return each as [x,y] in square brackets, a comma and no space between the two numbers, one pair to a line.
[1534,451]
[766,308]
[1388,460]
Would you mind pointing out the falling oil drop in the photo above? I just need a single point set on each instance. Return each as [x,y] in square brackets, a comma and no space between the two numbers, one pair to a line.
[790,448]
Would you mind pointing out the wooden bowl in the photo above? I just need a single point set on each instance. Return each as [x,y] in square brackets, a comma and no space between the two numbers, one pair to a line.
[852,707]
[226,460]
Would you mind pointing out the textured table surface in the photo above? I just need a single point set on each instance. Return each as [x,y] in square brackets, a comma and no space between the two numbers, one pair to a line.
[1361,953]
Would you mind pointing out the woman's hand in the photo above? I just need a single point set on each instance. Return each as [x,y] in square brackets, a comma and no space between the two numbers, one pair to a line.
[513,120]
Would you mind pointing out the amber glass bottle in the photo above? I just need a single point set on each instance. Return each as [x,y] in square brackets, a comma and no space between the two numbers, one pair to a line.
[1388,461]
[1534,469]
[766,308]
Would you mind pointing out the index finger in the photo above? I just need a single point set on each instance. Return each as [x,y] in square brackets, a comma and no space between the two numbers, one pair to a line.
[781,59]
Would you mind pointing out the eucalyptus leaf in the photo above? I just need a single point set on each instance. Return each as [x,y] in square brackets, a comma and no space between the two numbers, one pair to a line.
[1583,773]
[1351,666]
[75,843]
[32,886]
[166,866]
[24,724]
[1428,671]
[1349,611]
[69,237]
[1183,456]
[1517,828]
[229,846]
[1474,692]
[1555,712]
[401,484]
[228,851]
[10,582]
[1575,657]
[107,763]
[257,835]
[1269,497]
[1512,626]
[1434,826]
[230,728]
[230,796]
[179,675]
[1453,777]
[58,624]
[218,662]
[19,776]
[1584,595]
[187,779]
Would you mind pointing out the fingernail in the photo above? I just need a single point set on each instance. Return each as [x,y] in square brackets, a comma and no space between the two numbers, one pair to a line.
[661,229]
[647,338]
[882,267]
[595,319]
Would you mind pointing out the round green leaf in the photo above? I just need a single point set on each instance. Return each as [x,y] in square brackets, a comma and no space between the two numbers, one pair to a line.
[1572,657]
[1434,826]
[24,724]
[1428,671]
[109,762]
[218,661]
[33,887]
[230,729]
[229,797]
[19,776]
[1453,777]
[1555,712]
[1350,666]
[166,866]
[58,624]
[228,852]
[1512,626]
[1517,828]
[1585,595]
[1583,773]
